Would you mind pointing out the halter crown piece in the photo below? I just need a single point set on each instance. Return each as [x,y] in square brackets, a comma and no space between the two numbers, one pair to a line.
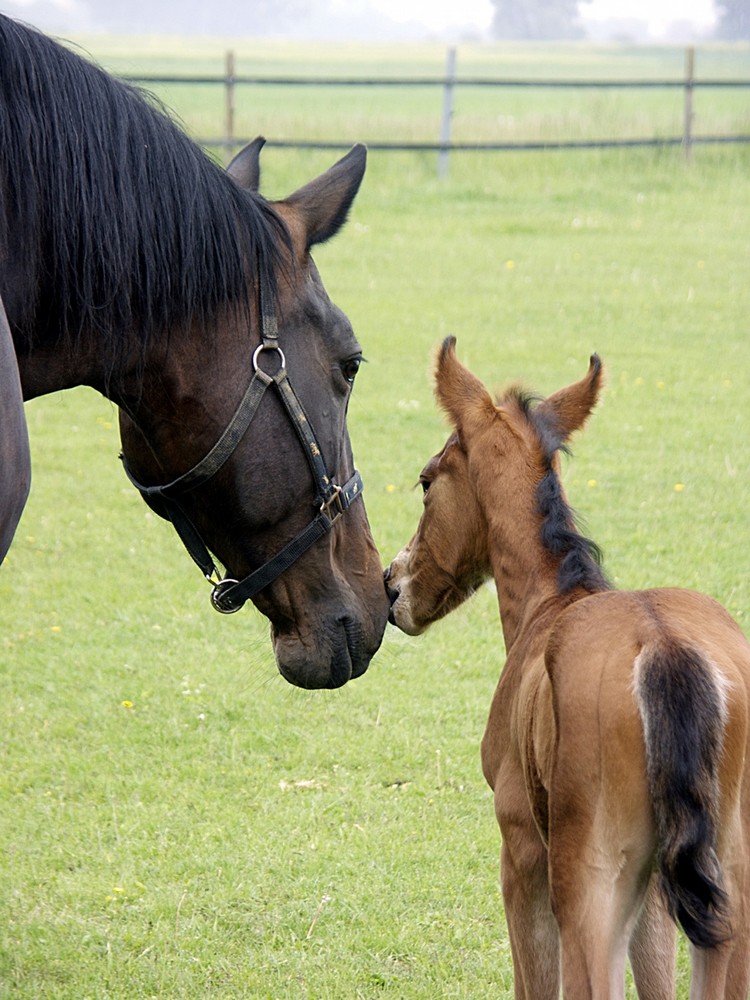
[228,595]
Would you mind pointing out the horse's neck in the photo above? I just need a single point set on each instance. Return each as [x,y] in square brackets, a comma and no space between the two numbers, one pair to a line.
[50,361]
[525,573]
[120,372]
[45,369]
[522,595]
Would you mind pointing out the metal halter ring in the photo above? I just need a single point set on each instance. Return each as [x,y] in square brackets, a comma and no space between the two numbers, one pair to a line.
[216,593]
[268,347]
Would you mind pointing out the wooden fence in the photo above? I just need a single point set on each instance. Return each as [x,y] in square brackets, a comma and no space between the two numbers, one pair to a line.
[443,145]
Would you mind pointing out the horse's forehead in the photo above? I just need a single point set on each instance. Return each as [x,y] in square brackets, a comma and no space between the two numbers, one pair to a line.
[451,449]
[517,430]
[312,326]
[302,296]
[304,287]
[433,464]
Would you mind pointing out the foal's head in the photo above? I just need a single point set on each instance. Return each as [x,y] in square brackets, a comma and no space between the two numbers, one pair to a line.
[493,489]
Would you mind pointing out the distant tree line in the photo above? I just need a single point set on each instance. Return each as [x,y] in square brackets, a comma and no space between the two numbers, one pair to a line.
[537,19]
[733,19]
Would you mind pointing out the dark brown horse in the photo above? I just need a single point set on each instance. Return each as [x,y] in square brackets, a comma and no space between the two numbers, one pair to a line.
[15,465]
[618,741]
[131,263]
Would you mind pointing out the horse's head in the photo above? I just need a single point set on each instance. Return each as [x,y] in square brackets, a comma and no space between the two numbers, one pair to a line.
[493,486]
[447,559]
[276,490]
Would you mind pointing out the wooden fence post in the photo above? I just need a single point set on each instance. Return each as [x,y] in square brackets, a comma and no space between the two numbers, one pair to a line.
[687,132]
[445,124]
[229,106]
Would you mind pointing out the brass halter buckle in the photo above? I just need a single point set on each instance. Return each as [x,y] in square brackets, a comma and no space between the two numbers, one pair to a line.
[334,501]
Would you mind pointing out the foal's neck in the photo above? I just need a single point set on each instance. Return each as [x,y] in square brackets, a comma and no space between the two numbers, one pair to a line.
[525,577]
[539,561]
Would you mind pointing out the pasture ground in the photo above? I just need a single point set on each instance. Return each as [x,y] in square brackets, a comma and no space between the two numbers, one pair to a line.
[178,822]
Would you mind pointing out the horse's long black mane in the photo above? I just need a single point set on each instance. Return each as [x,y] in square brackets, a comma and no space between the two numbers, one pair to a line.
[112,217]
[580,557]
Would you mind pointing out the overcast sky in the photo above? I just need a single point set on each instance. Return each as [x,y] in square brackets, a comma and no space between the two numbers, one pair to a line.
[441,14]
[400,19]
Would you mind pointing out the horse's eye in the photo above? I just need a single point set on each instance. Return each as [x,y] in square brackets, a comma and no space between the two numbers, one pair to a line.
[424,483]
[350,367]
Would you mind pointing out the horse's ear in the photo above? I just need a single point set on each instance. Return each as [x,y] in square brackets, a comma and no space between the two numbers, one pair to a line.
[567,410]
[322,205]
[463,397]
[245,167]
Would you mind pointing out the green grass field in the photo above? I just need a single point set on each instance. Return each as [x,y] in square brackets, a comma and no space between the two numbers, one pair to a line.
[175,820]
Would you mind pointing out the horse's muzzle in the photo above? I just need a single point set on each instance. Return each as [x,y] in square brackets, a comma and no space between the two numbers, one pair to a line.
[343,654]
[392,594]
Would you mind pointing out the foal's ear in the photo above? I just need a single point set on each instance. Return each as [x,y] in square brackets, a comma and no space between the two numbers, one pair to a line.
[245,167]
[567,410]
[323,205]
[459,393]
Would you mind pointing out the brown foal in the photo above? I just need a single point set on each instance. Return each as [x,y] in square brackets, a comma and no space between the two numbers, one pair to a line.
[618,738]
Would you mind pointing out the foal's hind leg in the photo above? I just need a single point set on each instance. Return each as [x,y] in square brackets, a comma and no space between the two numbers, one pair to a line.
[724,971]
[596,900]
[600,854]
[534,938]
[653,948]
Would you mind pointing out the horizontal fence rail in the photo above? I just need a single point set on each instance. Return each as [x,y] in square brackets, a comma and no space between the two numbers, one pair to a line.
[428,81]
[230,81]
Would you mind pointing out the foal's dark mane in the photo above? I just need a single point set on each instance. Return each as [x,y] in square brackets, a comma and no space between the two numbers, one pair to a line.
[118,221]
[580,557]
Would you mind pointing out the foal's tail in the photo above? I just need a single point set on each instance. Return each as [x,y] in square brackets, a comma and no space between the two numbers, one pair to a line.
[683,710]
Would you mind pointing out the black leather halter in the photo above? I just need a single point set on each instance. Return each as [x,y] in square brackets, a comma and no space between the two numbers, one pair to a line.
[228,595]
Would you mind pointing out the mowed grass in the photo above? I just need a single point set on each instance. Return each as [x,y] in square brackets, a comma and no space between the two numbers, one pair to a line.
[177,821]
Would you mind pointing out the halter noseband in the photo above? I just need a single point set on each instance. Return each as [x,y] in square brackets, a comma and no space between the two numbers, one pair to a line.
[228,595]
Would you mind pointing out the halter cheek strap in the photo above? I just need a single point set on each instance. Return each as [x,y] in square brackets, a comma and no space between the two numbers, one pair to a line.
[228,595]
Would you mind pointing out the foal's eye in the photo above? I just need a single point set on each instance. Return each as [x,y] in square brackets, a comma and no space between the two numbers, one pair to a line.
[424,483]
[350,367]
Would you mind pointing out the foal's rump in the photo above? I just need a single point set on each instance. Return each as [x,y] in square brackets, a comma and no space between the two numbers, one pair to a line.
[15,466]
[651,695]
